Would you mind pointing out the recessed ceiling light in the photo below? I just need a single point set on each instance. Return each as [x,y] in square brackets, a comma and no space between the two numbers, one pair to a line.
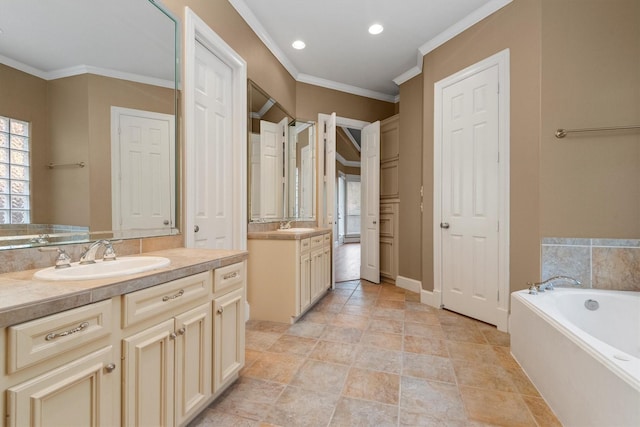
[298,44]
[376,29]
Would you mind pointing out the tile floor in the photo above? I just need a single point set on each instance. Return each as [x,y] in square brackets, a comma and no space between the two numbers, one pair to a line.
[372,355]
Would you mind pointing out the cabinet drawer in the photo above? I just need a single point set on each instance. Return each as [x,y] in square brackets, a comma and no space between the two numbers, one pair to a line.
[316,241]
[40,339]
[386,208]
[327,239]
[150,302]
[386,225]
[228,277]
[305,244]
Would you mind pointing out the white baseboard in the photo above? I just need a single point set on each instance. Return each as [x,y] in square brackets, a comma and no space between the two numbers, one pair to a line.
[409,284]
[431,298]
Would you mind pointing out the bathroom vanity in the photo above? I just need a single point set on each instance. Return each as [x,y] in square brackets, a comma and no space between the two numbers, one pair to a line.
[288,272]
[152,348]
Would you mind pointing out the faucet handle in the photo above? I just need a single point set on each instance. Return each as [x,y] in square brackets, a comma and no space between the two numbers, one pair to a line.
[63,260]
[109,253]
[533,289]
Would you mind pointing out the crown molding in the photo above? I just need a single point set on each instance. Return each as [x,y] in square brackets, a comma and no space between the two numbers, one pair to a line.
[457,28]
[473,18]
[354,90]
[85,69]
[241,7]
[345,162]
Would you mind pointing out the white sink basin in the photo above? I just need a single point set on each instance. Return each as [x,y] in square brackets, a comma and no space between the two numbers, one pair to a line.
[102,269]
[296,230]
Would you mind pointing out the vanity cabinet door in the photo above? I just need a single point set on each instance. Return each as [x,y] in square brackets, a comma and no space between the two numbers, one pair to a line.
[317,273]
[79,393]
[305,282]
[228,335]
[148,377]
[193,361]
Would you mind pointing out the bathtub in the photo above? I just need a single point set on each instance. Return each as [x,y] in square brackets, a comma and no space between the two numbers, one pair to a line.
[585,363]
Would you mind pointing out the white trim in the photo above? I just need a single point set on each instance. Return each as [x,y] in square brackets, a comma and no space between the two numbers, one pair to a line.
[409,284]
[342,87]
[85,69]
[351,123]
[351,138]
[241,7]
[431,298]
[116,215]
[197,30]
[502,60]
[345,162]
[451,32]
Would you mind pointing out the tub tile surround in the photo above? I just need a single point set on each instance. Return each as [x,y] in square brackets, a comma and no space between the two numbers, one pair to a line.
[347,362]
[598,263]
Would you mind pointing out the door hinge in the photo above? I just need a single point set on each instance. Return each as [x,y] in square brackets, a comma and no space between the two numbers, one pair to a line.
[498,227]
[498,295]
[498,87]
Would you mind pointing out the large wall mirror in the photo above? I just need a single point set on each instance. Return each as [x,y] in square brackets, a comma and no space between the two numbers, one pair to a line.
[282,157]
[88,135]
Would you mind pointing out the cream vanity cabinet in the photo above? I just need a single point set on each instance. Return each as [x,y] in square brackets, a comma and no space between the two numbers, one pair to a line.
[62,369]
[287,273]
[189,346]
[157,356]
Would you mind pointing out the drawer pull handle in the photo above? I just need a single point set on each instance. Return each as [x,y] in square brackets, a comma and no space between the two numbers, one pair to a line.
[221,310]
[53,336]
[110,368]
[230,275]
[168,298]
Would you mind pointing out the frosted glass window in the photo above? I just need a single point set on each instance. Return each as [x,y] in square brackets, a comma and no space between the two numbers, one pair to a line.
[15,188]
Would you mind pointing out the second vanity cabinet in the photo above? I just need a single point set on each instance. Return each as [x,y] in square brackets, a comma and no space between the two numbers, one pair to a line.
[157,356]
[287,273]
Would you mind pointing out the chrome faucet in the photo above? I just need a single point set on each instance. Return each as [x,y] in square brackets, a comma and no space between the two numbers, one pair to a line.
[534,288]
[89,255]
[285,225]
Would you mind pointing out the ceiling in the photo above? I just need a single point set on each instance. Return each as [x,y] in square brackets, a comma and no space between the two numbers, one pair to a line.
[122,38]
[341,54]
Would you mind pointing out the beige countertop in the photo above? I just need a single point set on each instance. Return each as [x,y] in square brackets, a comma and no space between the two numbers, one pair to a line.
[286,235]
[23,298]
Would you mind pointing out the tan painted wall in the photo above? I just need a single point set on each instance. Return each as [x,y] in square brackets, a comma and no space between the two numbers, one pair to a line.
[68,104]
[24,97]
[262,67]
[410,168]
[517,27]
[104,92]
[311,100]
[590,183]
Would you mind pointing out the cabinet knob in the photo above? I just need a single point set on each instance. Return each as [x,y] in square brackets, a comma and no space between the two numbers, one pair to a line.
[181,331]
[172,335]
[221,310]
[110,368]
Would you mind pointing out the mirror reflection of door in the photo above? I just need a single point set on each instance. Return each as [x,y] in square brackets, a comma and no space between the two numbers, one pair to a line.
[142,170]
[273,137]
[342,196]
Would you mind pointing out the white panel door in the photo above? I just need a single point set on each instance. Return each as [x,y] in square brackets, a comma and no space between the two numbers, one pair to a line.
[370,203]
[142,170]
[272,177]
[470,195]
[306,182]
[213,221]
[327,124]
[255,176]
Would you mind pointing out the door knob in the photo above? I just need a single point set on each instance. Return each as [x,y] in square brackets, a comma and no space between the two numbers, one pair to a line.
[166,222]
[444,225]
[196,228]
